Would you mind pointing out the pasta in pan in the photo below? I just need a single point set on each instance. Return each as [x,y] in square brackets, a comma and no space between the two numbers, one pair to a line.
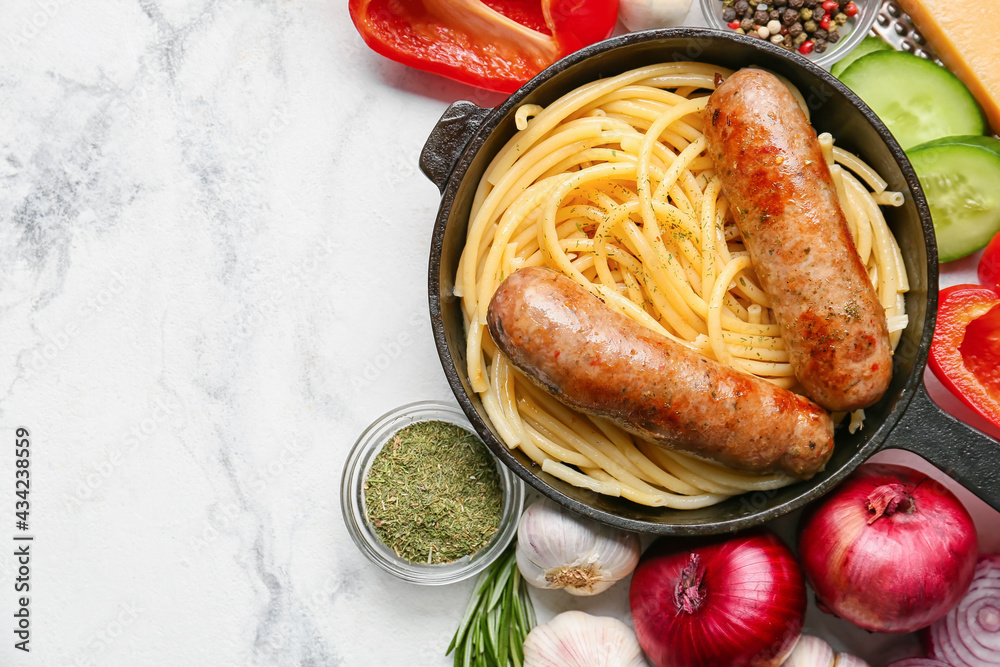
[611,186]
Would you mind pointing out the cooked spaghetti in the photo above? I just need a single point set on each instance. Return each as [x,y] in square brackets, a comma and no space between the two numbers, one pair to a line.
[611,185]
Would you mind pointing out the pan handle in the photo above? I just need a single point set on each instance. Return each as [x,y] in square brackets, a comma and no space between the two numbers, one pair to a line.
[957,449]
[447,140]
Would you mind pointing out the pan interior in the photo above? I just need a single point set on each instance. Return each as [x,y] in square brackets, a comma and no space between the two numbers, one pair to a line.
[833,109]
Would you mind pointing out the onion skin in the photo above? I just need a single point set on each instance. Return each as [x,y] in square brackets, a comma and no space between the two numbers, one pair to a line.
[969,634]
[917,662]
[747,610]
[895,573]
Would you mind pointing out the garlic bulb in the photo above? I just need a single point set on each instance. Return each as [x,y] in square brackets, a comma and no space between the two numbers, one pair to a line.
[814,652]
[577,639]
[810,652]
[848,660]
[648,14]
[559,549]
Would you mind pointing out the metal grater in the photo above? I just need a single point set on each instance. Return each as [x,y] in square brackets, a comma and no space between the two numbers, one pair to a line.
[894,26]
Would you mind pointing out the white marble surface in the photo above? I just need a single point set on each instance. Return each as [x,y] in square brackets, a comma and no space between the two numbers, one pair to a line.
[213,243]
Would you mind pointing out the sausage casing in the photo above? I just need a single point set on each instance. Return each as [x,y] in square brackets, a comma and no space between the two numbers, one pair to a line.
[785,204]
[602,363]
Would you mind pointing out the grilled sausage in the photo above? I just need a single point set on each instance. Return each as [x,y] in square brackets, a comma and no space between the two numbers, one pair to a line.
[785,203]
[602,363]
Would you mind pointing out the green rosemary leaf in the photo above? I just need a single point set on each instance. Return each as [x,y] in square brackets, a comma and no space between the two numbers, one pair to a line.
[520,621]
[466,652]
[484,581]
[516,647]
[529,608]
[478,641]
[506,610]
[502,577]
[489,639]
[519,604]
[475,601]
[496,631]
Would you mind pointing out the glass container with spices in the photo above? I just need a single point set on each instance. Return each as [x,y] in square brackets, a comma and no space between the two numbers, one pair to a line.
[423,497]
[832,32]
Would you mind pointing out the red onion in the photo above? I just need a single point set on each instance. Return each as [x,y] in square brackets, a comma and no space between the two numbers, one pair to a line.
[917,662]
[890,550]
[969,635]
[735,602]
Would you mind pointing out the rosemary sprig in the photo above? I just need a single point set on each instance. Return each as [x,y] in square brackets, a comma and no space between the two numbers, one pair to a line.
[499,616]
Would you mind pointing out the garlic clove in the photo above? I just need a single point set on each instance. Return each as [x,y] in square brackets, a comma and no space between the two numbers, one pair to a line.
[810,652]
[577,639]
[557,548]
[648,14]
[848,660]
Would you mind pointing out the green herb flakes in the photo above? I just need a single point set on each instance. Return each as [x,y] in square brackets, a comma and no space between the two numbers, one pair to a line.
[433,494]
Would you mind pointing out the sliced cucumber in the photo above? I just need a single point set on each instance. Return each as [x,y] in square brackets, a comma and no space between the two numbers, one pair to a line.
[864,47]
[960,182]
[989,143]
[917,99]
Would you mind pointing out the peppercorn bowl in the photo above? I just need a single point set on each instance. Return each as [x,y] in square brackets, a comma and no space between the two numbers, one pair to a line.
[849,35]
[353,498]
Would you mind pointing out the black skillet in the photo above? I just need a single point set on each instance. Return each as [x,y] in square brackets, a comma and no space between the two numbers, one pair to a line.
[466,138]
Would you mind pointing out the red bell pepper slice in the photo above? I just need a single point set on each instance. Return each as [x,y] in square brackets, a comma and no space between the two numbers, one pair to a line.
[965,352]
[989,264]
[493,44]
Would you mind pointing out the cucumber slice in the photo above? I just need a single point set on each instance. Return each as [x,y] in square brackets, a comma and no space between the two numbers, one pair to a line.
[917,99]
[991,144]
[868,45]
[960,183]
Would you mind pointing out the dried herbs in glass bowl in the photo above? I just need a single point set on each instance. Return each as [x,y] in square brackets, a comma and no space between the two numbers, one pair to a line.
[424,499]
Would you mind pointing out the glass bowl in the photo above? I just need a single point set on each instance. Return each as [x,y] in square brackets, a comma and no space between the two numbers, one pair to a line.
[858,27]
[352,499]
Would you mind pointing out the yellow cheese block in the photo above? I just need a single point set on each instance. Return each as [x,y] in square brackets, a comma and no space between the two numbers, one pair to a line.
[959,32]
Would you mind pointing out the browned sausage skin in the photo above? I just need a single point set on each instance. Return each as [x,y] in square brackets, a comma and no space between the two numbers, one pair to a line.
[785,203]
[602,363]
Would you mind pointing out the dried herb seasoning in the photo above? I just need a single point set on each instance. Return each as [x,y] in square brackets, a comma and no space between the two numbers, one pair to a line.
[433,494]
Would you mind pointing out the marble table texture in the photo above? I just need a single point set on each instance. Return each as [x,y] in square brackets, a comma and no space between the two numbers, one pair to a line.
[213,248]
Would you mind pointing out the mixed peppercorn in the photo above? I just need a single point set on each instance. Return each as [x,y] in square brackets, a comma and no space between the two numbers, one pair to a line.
[806,25]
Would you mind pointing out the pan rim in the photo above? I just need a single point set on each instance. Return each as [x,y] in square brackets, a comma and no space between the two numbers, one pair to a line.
[874,440]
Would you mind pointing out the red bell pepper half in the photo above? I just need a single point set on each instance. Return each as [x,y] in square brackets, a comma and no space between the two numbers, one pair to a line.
[494,44]
[965,352]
